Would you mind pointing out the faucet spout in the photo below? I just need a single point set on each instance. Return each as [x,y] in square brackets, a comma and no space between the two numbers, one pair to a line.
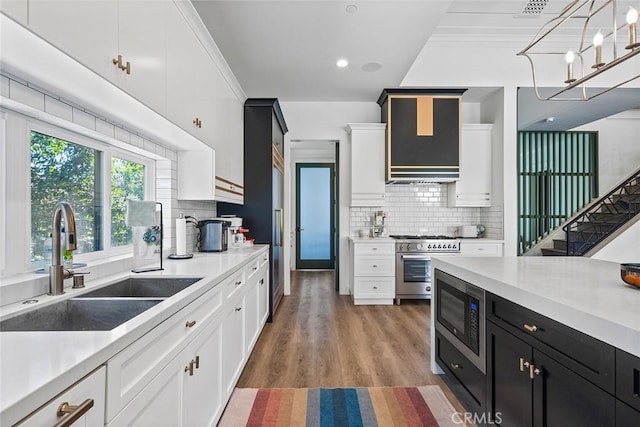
[62,211]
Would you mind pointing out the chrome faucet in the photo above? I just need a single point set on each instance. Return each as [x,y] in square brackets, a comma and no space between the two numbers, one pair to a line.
[57,273]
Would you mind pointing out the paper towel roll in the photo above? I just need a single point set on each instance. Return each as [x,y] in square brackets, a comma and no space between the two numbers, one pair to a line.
[181,236]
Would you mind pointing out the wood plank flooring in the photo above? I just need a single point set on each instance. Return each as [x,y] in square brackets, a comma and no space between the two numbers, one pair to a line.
[320,339]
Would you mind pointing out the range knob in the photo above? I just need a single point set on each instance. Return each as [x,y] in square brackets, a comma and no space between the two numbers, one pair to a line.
[439,246]
[419,245]
[429,246]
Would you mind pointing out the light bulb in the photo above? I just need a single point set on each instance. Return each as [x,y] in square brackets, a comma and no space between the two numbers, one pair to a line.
[342,63]
[597,44]
[570,57]
[632,16]
[598,39]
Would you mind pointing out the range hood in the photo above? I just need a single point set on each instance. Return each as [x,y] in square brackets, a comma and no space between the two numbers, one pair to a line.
[423,134]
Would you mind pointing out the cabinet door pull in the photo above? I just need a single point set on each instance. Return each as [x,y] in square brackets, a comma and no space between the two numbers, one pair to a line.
[533,371]
[374,249]
[530,328]
[197,123]
[72,412]
[375,266]
[375,287]
[189,368]
[262,281]
[255,268]
[190,324]
[523,364]
[455,365]
[238,282]
[197,362]
[127,68]
[238,308]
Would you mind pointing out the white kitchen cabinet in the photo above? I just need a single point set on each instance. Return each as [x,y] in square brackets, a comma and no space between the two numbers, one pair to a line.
[92,387]
[206,382]
[233,329]
[367,163]
[480,247]
[95,33]
[86,31]
[16,9]
[473,189]
[196,174]
[372,272]
[190,91]
[173,397]
[263,296]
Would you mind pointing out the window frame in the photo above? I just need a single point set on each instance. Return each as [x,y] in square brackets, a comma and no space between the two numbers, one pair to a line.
[108,151]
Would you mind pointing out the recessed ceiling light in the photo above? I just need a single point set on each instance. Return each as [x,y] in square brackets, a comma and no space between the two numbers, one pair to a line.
[352,8]
[342,63]
[549,119]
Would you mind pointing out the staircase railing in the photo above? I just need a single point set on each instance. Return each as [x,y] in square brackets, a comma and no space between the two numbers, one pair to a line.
[603,217]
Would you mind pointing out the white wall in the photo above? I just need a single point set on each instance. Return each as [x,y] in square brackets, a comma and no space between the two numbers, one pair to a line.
[618,147]
[325,121]
[625,248]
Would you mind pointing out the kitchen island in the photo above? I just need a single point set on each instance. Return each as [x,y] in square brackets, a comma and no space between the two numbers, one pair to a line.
[562,341]
[228,305]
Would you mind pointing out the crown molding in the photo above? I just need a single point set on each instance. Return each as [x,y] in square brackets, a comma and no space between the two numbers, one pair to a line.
[193,19]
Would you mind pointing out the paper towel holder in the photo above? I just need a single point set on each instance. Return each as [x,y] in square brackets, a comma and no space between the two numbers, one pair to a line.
[146,269]
[176,256]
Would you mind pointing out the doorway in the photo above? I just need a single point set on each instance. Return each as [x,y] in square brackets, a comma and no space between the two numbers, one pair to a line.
[315,215]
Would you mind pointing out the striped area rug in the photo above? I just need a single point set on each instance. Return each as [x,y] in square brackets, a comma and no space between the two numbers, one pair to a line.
[374,406]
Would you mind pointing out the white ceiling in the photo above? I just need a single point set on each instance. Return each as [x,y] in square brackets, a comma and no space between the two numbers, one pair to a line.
[288,49]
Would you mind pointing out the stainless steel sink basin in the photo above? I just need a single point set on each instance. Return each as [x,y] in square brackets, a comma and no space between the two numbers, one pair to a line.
[147,287]
[79,315]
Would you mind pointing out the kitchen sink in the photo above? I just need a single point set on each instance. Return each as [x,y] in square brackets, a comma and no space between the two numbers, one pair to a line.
[75,314]
[146,287]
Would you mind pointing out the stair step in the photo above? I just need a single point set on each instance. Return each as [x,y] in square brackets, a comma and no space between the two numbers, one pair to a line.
[553,252]
[560,244]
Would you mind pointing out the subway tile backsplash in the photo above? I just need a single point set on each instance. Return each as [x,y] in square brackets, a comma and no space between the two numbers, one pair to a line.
[422,209]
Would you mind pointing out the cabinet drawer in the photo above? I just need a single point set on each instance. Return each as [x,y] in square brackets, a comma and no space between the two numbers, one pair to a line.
[131,370]
[374,266]
[252,269]
[90,387]
[628,379]
[592,359]
[374,288]
[264,258]
[480,249]
[458,366]
[374,249]
[234,284]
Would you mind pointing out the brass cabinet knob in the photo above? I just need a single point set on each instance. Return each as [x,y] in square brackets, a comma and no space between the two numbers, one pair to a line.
[190,324]
[189,368]
[530,328]
[455,365]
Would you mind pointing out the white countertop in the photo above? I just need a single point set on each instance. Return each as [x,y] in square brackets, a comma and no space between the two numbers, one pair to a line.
[35,366]
[372,239]
[585,294]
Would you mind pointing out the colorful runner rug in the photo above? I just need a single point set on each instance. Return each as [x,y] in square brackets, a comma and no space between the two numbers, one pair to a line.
[338,407]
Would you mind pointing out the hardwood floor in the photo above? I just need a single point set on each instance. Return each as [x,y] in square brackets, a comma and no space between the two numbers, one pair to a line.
[320,339]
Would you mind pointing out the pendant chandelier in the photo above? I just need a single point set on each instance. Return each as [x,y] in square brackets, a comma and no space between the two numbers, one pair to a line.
[607,39]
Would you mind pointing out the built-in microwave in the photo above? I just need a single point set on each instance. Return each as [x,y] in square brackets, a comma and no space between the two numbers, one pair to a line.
[460,316]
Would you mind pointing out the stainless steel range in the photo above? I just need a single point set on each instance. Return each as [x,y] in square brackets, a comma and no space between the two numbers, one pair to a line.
[413,263]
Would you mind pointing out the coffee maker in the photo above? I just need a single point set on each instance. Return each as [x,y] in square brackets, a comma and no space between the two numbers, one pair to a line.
[235,231]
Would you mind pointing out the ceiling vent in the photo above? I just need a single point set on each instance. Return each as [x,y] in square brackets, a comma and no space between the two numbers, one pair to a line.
[533,8]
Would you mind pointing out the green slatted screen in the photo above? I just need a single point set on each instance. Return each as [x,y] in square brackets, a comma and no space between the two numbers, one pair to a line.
[557,176]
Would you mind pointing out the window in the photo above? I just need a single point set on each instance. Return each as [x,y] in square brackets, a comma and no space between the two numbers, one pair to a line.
[64,171]
[96,179]
[127,182]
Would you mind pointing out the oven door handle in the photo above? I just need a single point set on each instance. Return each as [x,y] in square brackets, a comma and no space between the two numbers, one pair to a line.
[424,257]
